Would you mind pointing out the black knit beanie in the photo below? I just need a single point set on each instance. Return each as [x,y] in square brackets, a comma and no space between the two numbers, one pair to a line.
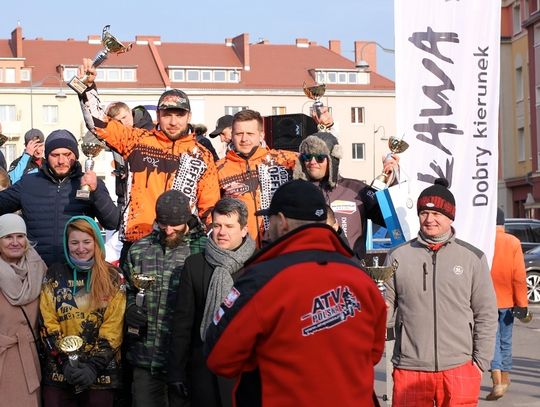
[437,198]
[172,208]
[61,139]
[500,217]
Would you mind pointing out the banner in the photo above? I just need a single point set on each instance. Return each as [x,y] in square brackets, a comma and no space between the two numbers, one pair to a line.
[447,103]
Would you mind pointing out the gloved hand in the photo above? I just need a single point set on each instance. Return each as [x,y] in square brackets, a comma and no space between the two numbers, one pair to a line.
[68,373]
[84,375]
[179,389]
[136,316]
[520,312]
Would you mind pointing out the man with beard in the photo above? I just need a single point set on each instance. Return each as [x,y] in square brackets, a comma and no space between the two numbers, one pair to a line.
[166,157]
[161,254]
[47,197]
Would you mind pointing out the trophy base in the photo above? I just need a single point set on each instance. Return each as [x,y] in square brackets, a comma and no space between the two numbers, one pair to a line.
[77,85]
[83,194]
[378,185]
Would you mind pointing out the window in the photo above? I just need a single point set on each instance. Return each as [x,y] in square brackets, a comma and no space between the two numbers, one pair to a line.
[69,73]
[177,75]
[357,115]
[9,75]
[193,76]
[25,74]
[116,74]
[519,84]
[234,109]
[113,75]
[234,76]
[521,144]
[332,77]
[321,77]
[516,18]
[537,35]
[358,151]
[278,110]
[1,75]
[220,76]
[8,113]
[353,77]
[50,114]
[206,76]
[128,75]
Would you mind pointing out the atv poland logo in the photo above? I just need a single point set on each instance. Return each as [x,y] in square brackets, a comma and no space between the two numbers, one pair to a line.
[330,309]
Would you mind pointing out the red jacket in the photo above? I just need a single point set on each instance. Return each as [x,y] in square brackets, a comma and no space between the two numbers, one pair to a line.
[303,326]
[508,271]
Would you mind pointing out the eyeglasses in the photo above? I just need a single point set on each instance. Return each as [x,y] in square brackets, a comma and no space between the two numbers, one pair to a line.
[308,157]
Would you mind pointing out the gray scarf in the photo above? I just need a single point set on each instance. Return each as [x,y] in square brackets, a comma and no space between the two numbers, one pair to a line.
[21,282]
[226,263]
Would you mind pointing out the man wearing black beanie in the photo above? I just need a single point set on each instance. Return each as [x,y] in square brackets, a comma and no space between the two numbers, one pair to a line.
[446,314]
[47,197]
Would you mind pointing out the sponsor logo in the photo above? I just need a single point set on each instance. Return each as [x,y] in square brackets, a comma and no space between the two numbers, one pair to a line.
[319,212]
[330,309]
[346,207]
[458,270]
[217,316]
[231,297]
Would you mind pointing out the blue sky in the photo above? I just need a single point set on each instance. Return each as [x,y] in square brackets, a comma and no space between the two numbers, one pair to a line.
[278,21]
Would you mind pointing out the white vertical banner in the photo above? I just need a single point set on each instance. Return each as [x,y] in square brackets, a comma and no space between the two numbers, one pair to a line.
[447,103]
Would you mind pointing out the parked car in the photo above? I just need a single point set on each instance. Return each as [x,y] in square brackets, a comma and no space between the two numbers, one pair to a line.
[532,267]
[526,230]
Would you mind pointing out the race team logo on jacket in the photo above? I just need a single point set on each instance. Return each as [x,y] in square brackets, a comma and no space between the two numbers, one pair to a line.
[330,309]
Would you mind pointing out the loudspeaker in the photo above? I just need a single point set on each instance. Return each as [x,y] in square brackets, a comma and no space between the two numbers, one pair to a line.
[286,131]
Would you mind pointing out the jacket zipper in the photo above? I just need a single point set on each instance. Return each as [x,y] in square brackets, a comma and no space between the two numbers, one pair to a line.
[434,264]
[424,266]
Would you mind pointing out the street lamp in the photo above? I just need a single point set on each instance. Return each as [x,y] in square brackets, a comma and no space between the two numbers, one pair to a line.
[59,95]
[362,64]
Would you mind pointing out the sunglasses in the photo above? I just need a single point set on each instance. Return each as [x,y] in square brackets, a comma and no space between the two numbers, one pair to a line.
[308,157]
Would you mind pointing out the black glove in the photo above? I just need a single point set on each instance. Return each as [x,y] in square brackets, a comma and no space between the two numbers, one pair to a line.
[179,389]
[136,316]
[520,312]
[68,373]
[84,375]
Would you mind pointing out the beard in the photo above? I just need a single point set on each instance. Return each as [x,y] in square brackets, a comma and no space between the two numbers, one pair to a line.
[172,241]
[176,136]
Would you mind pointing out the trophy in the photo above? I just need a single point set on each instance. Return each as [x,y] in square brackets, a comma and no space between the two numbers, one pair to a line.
[142,282]
[70,345]
[396,145]
[110,44]
[380,274]
[316,93]
[90,150]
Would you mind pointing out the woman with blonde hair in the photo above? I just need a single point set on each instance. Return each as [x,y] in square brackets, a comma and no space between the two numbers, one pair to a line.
[21,275]
[85,297]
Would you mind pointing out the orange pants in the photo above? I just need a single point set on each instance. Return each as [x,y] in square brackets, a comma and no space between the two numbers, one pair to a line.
[459,386]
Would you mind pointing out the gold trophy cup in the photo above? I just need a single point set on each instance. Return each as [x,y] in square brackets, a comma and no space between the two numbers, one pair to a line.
[70,345]
[380,274]
[90,150]
[316,93]
[110,44]
[142,282]
[383,180]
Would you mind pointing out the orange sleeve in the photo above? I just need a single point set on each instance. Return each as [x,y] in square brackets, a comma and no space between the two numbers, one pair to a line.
[120,137]
[519,276]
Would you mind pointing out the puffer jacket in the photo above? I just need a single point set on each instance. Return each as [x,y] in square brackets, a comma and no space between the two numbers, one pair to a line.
[47,203]
[446,310]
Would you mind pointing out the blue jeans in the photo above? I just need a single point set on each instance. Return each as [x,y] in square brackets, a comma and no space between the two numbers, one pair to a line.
[502,359]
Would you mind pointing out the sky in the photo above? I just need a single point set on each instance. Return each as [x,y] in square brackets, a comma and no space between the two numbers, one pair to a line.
[209,21]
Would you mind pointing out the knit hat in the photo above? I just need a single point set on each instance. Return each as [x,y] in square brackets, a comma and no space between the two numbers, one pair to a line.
[33,133]
[500,217]
[11,223]
[61,139]
[324,144]
[172,208]
[437,198]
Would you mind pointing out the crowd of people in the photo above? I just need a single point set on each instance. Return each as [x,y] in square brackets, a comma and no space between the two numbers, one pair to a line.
[239,280]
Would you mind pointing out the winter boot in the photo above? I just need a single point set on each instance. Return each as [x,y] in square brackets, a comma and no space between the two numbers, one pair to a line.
[505,380]
[498,389]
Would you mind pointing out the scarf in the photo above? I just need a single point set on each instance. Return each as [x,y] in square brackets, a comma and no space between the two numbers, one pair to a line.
[84,266]
[225,263]
[434,243]
[21,282]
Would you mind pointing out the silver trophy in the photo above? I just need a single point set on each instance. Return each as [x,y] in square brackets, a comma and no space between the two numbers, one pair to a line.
[383,180]
[316,93]
[110,44]
[380,274]
[70,345]
[91,150]
[142,282]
